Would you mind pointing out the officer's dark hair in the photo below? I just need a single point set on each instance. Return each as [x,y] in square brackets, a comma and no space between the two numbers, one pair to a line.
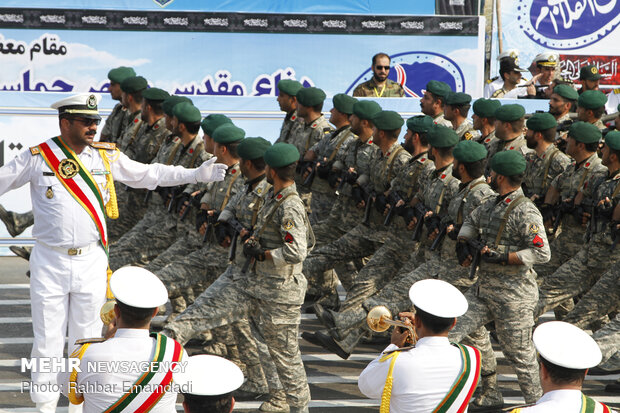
[318,108]
[156,106]
[192,127]
[437,325]
[463,109]
[232,148]
[475,169]
[137,96]
[211,404]
[517,125]
[516,180]
[423,136]
[258,164]
[598,112]
[563,375]
[392,134]
[613,151]
[378,55]
[436,98]
[445,152]
[286,173]
[134,316]
[590,147]
[490,119]
[548,134]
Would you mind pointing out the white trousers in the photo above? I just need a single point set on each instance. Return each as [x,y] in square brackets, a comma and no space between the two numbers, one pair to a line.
[66,292]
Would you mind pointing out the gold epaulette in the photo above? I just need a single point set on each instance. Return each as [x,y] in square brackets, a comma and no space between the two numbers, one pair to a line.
[34,150]
[90,340]
[104,145]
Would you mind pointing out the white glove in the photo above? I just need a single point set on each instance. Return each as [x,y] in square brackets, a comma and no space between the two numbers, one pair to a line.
[210,171]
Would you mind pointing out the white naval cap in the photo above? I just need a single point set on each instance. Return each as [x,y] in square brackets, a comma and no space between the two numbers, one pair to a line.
[84,104]
[137,287]
[566,345]
[514,53]
[438,298]
[206,375]
[547,59]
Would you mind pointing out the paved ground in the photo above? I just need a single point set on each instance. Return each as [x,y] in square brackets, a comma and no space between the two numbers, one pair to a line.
[333,381]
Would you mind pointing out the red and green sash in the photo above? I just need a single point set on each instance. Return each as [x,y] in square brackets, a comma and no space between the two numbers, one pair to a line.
[149,388]
[463,388]
[82,186]
[589,405]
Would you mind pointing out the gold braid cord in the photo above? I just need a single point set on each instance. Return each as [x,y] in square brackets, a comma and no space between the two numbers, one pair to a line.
[387,389]
[111,208]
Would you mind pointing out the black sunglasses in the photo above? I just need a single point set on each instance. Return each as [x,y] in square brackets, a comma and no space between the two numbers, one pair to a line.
[87,121]
[383,67]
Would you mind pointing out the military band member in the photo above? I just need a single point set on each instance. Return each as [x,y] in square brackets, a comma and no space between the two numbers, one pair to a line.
[434,100]
[433,375]
[70,179]
[114,124]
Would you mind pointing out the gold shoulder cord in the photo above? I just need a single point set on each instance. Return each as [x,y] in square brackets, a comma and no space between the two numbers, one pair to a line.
[73,396]
[387,389]
[111,208]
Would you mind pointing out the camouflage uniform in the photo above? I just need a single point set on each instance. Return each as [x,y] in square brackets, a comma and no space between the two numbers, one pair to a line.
[466,131]
[15,222]
[290,122]
[157,230]
[542,170]
[131,201]
[441,120]
[593,259]
[133,123]
[608,340]
[488,140]
[364,239]
[114,125]
[272,293]
[517,144]
[370,89]
[343,216]
[569,242]
[507,293]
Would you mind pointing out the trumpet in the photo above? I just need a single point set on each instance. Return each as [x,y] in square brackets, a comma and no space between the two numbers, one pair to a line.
[379,319]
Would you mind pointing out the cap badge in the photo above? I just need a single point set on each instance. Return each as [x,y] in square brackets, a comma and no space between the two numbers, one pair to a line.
[594,70]
[91,102]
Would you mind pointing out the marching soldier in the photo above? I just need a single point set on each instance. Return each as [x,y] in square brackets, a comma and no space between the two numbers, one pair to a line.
[591,107]
[113,128]
[456,109]
[509,126]
[131,88]
[563,100]
[484,120]
[287,99]
[434,100]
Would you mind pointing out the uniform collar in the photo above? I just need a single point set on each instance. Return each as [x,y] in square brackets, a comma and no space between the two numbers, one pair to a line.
[569,395]
[131,333]
[433,341]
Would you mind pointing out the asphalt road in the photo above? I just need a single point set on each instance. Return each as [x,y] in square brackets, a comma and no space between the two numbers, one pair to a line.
[333,381]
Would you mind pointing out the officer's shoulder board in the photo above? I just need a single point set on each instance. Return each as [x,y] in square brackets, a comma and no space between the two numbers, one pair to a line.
[90,340]
[104,145]
[34,150]
[493,79]
[617,91]
[468,136]
[407,348]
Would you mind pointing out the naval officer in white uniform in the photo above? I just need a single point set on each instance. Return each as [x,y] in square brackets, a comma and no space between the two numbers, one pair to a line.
[435,372]
[109,368]
[565,354]
[69,183]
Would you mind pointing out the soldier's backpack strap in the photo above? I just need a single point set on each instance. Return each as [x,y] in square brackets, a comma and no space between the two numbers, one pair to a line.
[197,150]
[504,220]
[390,162]
[443,192]
[459,214]
[229,189]
[547,167]
[340,142]
[273,212]
[173,154]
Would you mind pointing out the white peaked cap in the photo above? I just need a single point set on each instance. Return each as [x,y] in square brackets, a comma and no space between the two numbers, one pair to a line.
[137,287]
[566,345]
[206,375]
[84,104]
[438,298]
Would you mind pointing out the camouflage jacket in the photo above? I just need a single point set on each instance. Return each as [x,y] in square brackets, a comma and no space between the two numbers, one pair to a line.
[597,189]
[290,122]
[441,120]
[305,136]
[130,132]
[370,89]
[541,170]
[517,144]
[488,140]
[409,182]
[327,150]
[466,131]
[148,141]
[114,124]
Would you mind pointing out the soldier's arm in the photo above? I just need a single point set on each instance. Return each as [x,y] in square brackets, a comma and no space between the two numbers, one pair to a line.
[293,231]
[469,229]
[529,226]
[18,171]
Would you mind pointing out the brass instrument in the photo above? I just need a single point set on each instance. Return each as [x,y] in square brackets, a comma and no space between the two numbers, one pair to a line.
[379,319]
[107,312]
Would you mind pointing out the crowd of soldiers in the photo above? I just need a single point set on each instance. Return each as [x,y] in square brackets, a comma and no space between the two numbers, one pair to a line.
[517,211]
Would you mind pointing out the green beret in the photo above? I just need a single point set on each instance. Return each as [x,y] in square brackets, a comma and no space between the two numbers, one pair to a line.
[289,86]
[186,112]
[592,99]
[612,139]
[420,124]
[228,133]
[133,84]
[457,99]
[344,103]
[387,120]
[155,94]
[252,148]
[509,113]
[170,102]
[442,137]
[438,88]
[541,121]
[469,151]
[366,109]
[211,122]
[589,72]
[508,163]
[120,73]
[281,154]
[584,132]
[566,91]
[486,108]
[310,96]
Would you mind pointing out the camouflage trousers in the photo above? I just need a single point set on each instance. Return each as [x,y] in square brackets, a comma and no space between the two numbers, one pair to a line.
[277,325]
[601,300]
[16,223]
[131,209]
[563,248]
[576,276]
[608,339]
[145,241]
[512,309]
[321,204]
[182,246]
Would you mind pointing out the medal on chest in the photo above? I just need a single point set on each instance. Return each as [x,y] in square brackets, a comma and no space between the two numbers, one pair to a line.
[68,168]
[49,194]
